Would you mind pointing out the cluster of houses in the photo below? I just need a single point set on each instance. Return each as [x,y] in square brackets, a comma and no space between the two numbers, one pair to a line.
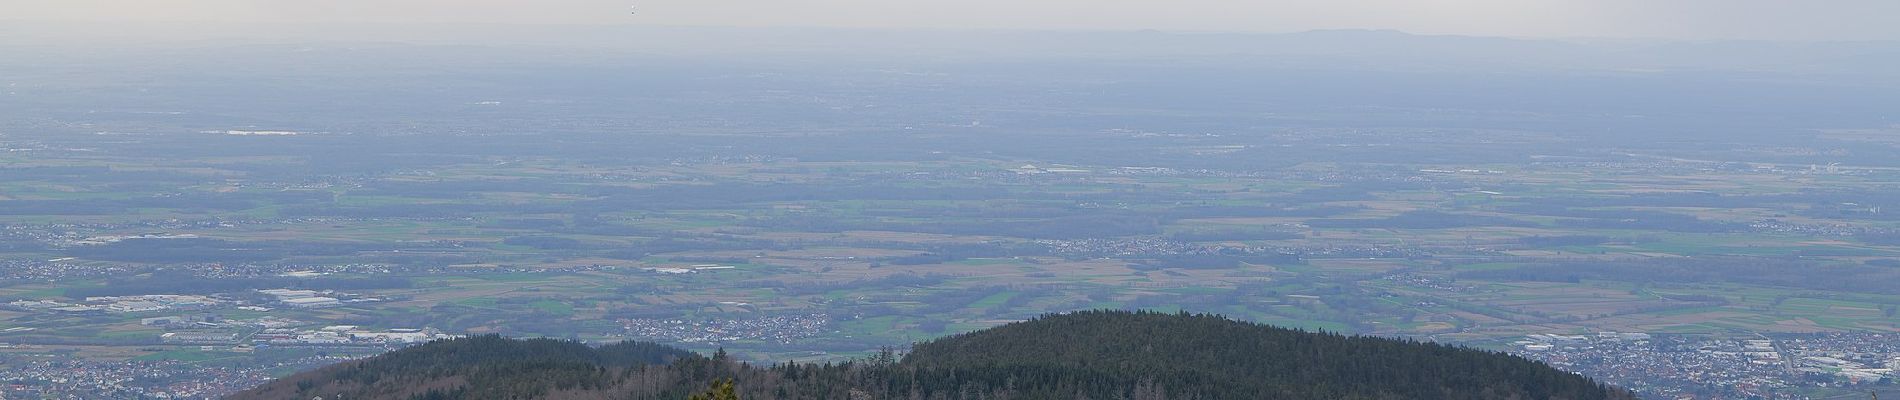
[1761,367]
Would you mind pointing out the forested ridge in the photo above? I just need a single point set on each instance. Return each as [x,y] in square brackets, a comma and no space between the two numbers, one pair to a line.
[1082,355]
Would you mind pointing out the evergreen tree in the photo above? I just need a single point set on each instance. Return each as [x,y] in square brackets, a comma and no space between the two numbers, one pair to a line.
[720,390]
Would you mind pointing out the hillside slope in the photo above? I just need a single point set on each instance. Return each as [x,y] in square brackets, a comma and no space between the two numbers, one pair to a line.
[1091,354]
[1214,357]
[474,367]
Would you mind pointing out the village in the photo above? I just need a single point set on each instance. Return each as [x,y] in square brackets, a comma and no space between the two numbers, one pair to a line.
[1704,367]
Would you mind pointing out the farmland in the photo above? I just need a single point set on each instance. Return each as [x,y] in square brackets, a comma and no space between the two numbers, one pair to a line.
[303,206]
[546,246]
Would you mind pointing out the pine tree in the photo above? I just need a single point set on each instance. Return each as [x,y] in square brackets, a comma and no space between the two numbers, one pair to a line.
[720,390]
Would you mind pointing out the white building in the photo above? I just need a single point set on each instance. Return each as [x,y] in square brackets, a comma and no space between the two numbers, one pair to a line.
[160,321]
[287,294]
[391,337]
[1828,362]
[312,302]
[135,306]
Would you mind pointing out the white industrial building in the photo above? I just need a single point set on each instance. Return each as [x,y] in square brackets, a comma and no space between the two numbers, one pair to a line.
[286,294]
[312,302]
[160,321]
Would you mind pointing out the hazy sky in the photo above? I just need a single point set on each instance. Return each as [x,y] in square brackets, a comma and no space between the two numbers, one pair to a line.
[1696,19]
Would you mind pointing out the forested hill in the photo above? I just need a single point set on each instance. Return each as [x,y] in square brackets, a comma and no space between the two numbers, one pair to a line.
[484,367]
[1091,354]
[1214,357]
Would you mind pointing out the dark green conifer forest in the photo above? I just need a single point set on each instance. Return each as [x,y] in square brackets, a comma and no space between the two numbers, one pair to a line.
[1083,355]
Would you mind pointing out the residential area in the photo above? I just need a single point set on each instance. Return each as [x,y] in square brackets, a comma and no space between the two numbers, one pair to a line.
[1704,367]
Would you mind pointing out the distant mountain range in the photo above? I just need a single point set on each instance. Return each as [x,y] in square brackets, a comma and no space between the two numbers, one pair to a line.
[1082,355]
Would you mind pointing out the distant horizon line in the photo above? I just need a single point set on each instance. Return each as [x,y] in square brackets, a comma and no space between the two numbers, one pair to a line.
[6,24]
